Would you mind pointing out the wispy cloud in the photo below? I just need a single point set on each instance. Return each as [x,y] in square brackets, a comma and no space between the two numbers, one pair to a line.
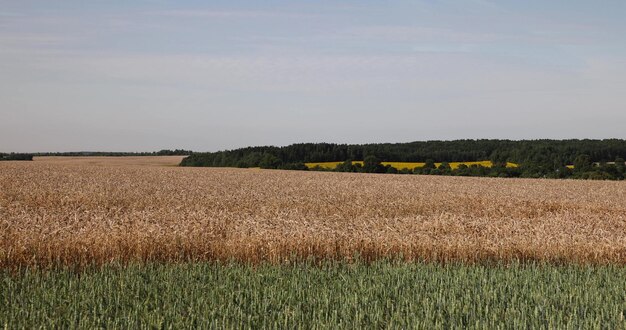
[402,68]
[547,33]
[8,14]
[419,33]
[203,13]
[16,41]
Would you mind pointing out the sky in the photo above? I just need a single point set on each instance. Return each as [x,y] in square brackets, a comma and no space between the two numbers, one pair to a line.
[113,75]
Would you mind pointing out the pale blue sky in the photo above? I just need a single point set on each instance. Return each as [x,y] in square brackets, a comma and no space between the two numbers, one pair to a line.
[111,75]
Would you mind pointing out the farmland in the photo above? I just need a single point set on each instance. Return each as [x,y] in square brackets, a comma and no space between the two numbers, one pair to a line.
[121,242]
[327,296]
[407,165]
[79,214]
[555,159]
[112,161]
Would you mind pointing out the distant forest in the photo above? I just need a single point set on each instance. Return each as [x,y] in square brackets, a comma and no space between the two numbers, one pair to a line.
[592,159]
[164,152]
[29,156]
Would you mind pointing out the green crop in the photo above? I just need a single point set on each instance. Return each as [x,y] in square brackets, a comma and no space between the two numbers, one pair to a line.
[333,295]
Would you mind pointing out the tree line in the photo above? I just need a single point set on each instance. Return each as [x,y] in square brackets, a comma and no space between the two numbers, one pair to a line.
[163,152]
[591,159]
[583,168]
[29,156]
[15,156]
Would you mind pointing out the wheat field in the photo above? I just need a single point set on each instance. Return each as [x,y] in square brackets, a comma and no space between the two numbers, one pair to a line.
[112,161]
[79,213]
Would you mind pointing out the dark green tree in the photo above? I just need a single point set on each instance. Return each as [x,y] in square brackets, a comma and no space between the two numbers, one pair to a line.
[390,169]
[429,164]
[445,168]
[269,161]
[620,165]
[583,163]
[346,166]
[295,167]
[371,164]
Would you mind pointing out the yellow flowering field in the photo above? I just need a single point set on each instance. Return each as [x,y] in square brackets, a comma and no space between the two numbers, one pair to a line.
[409,165]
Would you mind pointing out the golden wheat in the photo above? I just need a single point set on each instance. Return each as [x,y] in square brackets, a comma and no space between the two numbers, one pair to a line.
[112,161]
[73,213]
